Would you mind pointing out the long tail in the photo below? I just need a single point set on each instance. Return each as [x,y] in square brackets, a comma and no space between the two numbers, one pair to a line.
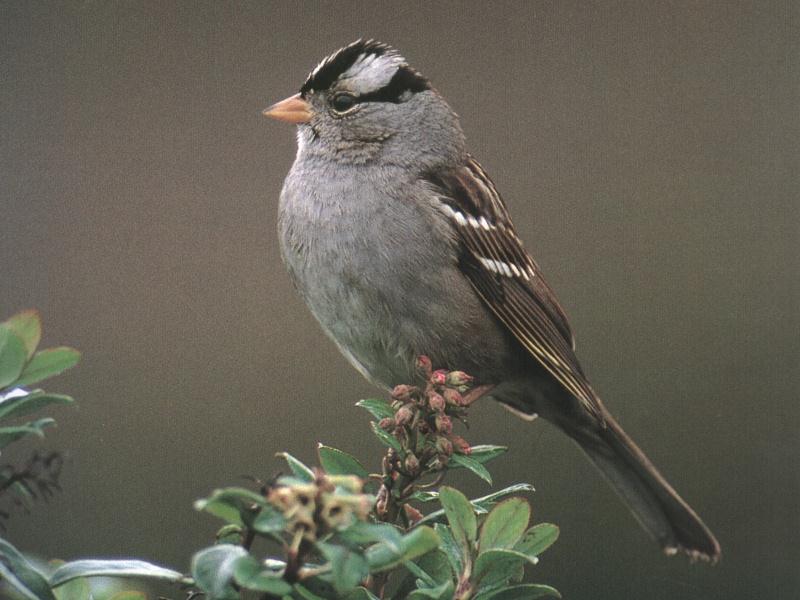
[653,501]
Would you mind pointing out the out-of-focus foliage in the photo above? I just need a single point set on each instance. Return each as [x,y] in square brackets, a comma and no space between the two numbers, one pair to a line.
[324,533]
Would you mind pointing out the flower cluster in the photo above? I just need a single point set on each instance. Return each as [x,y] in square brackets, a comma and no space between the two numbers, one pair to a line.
[314,509]
[422,425]
[423,422]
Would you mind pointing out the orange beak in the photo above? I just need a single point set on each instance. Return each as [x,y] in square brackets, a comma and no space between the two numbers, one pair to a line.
[292,110]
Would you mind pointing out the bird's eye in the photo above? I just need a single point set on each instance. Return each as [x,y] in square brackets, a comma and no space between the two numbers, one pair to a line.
[343,102]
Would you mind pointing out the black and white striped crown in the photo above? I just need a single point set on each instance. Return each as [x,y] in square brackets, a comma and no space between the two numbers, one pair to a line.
[378,70]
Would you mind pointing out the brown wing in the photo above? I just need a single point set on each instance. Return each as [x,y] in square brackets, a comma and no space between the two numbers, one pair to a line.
[508,279]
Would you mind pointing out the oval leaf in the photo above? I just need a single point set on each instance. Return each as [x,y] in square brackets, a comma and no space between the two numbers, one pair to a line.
[537,539]
[483,453]
[213,569]
[28,327]
[336,462]
[12,434]
[383,556]
[377,408]
[525,592]
[505,525]
[12,356]
[496,567]
[461,518]
[26,404]
[299,470]
[47,363]
[385,438]
[248,573]
[112,568]
[467,462]
[21,575]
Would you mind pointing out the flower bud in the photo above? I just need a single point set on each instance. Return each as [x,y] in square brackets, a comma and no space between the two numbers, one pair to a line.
[412,464]
[460,444]
[412,513]
[444,446]
[444,424]
[458,378]
[437,402]
[386,424]
[439,377]
[403,416]
[452,397]
[424,364]
[403,392]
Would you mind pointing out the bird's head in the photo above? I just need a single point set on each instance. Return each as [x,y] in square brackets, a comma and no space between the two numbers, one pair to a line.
[365,103]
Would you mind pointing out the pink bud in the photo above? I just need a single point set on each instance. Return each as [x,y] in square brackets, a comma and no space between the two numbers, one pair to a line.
[403,416]
[460,444]
[437,402]
[386,424]
[458,378]
[412,464]
[424,364]
[444,424]
[452,397]
[412,513]
[444,446]
[439,377]
[403,392]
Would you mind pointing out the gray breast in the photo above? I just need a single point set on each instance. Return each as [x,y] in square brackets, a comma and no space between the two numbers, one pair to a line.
[377,265]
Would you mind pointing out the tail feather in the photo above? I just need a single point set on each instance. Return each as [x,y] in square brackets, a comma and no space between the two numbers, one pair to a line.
[651,499]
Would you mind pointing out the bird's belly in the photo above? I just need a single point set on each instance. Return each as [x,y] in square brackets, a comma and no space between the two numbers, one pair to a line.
[387,294]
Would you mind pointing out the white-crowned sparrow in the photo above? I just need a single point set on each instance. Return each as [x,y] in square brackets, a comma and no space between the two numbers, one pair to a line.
[401,246]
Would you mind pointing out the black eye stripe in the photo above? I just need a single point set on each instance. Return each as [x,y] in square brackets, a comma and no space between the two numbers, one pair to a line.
[403,81]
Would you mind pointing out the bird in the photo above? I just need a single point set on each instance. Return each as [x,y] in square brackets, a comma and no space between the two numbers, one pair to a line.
[401,246]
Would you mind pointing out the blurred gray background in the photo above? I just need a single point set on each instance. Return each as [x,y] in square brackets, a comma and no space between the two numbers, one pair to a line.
[649,155]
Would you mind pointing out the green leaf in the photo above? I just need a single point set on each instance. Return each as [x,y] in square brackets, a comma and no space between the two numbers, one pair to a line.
[233,504]
[212,569]
[424,496]
[437,565]
[269,520]
[12,434]
[482,504]
[17,406]
[383,557]
[461,460]
[537,539]
[12,356]
[229,534]
[377,408]
[450,547]
[367,533]
[112,568]
[28,327]
[484,453]
[349,567]
[385,438]
[523,592]
[299,470]
[336,462]
[505,525]
[129,595]
[305,593]
[444,591]
[21,575]
[461,517]
[496,567]
[361,593]
[47,363]
[248,573]
[77,589]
